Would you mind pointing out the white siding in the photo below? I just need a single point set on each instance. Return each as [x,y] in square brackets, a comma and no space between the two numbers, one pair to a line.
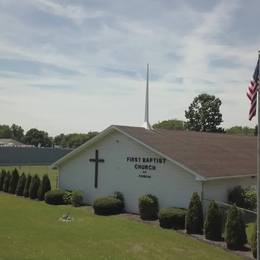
[218,189]
[170,183]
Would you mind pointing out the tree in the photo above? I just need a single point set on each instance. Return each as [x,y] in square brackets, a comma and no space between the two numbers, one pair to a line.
[204,114]
[27,186]
[171,124]
[44,187]
[34,186]
[6,182]
[37,137]
[2,177]
[241,130]
[17,132]
[13,181]
[194,217]
[73,140]
[235,229]
[213,223]
[5,131]
[254,241]
[20,185]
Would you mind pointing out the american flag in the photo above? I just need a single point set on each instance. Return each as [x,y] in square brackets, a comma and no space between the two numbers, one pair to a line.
[252,91]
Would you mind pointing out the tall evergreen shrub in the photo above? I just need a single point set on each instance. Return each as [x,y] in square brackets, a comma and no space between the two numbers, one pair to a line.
[13,181]
[6,182]
[45,186]
[2,177]
[27,185]
[20,185]
[34,186]
[213,223]
[235,229]
[194,216]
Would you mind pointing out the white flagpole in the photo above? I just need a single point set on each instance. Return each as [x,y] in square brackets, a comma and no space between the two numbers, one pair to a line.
[258,166]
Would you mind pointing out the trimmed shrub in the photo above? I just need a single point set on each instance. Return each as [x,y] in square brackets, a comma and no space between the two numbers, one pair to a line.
[54,197]
[250,198]
[45,186]
[254,241]
[172,218]
[13,181]
[6,181]
[34,186]
[27,186]
[20,185]
[235,229]
[107,206]
[148,207]
[237,196]
[213,223]
[67,196]
[119,195]
[2,177]
[77,198]
[194,216]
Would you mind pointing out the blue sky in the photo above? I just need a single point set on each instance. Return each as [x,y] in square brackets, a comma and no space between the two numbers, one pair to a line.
[74,66]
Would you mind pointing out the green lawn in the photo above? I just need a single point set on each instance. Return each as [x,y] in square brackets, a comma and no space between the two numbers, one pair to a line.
[31,230]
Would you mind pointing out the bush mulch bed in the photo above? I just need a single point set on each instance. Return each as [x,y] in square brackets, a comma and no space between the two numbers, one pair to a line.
[245,253]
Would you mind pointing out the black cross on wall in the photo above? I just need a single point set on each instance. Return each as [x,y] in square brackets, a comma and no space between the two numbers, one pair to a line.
[96,160]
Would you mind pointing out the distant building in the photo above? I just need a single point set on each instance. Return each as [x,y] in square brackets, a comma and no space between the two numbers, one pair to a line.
[8,142]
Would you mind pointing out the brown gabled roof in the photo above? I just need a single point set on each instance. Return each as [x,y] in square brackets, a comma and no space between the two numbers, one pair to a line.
[210,155]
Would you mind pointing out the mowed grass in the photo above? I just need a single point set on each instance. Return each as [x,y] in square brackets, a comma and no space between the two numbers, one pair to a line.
[31,230]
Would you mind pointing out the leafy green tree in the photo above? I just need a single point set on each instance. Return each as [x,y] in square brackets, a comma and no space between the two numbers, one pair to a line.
[213,223]
[34,186]
[2,177]
[204,114]
[6,181]
[235,229]
[37,137]
[17,132]
[240,130]
[13,181]
[20,185]
[5,131]
[170,124]
[73,140]
[194,217]
[44,187]
[27,186]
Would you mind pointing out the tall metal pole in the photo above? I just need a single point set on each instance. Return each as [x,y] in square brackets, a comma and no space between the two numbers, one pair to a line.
[258,165]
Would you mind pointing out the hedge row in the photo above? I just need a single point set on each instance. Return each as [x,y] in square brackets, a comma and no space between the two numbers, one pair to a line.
[27,186]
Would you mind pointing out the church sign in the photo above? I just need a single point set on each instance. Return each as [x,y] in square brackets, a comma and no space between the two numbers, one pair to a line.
[145,164]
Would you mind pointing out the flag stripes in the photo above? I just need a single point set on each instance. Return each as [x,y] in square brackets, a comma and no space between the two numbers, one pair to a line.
[252,92]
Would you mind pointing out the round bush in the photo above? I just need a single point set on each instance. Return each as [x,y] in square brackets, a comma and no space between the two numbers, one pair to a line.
[77,198]
[107,206]
[148,207]
[54,197]
[172,218]
[119,195]
[213,223]
[235,229]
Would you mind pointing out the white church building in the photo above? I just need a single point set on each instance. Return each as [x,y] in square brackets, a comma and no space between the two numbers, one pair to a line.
[168,164]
